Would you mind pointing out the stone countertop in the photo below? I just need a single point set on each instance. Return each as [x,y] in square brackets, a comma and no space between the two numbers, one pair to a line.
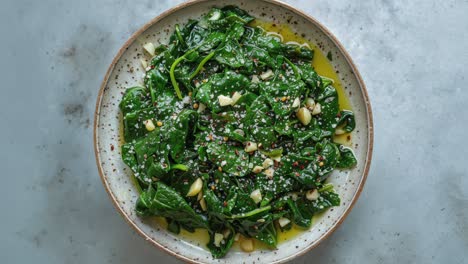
[411,54]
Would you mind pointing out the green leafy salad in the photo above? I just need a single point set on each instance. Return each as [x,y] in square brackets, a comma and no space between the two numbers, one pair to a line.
[233,132]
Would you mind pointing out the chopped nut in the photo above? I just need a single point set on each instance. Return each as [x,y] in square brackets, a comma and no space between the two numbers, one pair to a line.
[159,123]
[303,114]
[144,64]
[266,75]
[247,245]
[321,164]
[149,125]
[201,107]
[149,47]
[235,97]
[296,103]
[312,195]
[196,187]
[217,239]
[257,169]
[269,173]
[195,106]
[255,79]
[203,204]
[224,100]
[250,147]
[256,196]
[283,221]
[317,109]
[267,163]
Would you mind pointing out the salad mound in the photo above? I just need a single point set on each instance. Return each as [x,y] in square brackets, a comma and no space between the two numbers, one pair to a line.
[233,132]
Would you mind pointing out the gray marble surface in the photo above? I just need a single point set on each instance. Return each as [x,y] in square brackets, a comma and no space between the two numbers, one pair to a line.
[412,55]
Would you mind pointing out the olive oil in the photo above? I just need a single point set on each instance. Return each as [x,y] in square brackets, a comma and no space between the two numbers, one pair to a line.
[200,235]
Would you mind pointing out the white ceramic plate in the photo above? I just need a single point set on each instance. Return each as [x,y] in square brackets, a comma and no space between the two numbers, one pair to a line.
[126,71]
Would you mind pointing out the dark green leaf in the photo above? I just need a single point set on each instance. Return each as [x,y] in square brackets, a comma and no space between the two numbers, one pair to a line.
[168,203]
[347,159]
[346,121]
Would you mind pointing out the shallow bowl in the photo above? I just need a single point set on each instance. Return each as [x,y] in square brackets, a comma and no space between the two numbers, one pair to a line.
[126,71]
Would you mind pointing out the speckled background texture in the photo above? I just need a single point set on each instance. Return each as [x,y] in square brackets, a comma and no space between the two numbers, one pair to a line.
[411,54]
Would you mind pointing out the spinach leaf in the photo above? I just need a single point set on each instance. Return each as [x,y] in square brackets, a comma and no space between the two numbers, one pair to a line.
[128,157]
[158,75]
[152,156]
[134,123]
[346,121]
[232,160]
[178,133]
[330,108]
[259,124]
[301,169]
[311,78]
[347,159]
[328,154]
[301,214]
[166,202]
[231,55]
[218,223]
[268,235]
[134,99]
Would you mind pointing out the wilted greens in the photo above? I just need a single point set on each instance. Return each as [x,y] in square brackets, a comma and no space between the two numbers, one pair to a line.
[232,132]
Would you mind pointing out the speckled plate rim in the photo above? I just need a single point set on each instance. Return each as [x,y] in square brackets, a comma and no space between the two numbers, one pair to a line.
[370,124]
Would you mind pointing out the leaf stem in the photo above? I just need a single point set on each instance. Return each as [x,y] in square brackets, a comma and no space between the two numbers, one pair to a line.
[253,212]
[179,35]
[151,90]
[171,73]
[326,188]
[181,167]
[294,68]
[200,66]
